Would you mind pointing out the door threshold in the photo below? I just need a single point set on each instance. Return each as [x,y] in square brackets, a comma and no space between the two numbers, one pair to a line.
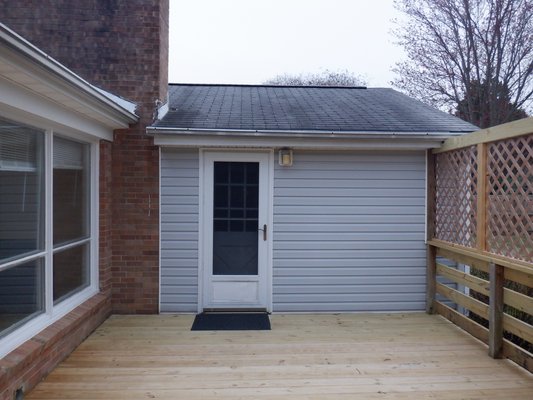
[234,310]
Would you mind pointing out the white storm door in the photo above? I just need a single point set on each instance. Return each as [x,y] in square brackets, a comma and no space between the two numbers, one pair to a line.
[236,230]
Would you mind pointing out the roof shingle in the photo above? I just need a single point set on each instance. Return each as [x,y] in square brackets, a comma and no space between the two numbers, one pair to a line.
[303,108]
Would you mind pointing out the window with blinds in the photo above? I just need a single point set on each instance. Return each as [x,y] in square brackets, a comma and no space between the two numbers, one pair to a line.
[21,190]
[28,256]
[69,154]
[71,203]
[19,147]
[22,229]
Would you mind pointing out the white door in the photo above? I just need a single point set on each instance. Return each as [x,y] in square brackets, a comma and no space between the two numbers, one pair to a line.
[236,230]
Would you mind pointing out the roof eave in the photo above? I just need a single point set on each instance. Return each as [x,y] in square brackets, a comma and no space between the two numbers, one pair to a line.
[120,112]
[303,140]
[395,135]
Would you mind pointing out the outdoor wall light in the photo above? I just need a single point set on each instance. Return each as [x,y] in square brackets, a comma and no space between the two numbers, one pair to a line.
[285,157]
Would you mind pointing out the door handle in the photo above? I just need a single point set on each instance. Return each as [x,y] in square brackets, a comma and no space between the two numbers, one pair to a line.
[264,231]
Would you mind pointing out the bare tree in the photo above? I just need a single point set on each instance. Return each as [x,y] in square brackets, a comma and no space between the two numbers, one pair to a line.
[469,56]
[325,78]
[478,110]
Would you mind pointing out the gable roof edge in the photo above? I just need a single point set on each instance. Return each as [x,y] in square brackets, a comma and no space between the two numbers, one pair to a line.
[106,102]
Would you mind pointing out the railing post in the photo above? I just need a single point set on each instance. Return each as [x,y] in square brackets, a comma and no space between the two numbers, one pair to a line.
[496,276]
[431,190]
[431,253]
[482,195]
[431,279]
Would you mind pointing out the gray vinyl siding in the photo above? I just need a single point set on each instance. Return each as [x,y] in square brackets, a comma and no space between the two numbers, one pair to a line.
[179,230]
[349,232]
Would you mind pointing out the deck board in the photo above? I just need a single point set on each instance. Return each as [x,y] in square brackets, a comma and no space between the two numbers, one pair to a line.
[345,356]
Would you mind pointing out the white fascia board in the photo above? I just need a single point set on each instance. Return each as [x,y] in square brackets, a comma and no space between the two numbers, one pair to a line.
[20,104]
[28,66]
[126,104]
[299,133]
[307,142]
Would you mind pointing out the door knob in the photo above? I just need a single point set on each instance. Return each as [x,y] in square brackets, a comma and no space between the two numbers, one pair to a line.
[264,231]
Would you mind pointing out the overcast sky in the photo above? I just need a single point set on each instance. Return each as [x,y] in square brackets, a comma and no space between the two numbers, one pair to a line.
[250,41]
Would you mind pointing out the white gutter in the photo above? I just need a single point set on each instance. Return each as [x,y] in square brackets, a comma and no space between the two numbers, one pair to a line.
[125,108]
[433,136]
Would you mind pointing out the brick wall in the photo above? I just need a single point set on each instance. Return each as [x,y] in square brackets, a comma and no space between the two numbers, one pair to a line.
[28,364]
[135,231]
[121,46]
[105,217]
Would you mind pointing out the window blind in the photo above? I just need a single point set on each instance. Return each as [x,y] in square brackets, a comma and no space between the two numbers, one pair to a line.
[68,154]
[18,149]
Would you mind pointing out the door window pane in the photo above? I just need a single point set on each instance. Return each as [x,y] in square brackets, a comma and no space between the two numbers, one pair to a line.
[221,196]
[235,235]
[237,172]
[71,271]
[221,173]
[21,294]
[237,196]
[237,213]
[252,175]
[71,190]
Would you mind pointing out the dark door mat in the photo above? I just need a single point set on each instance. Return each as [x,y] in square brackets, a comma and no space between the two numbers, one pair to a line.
[231,322]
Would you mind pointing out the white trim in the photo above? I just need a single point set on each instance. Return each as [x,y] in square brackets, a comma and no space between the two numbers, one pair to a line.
[44,73]
[159,256]
[201,230]
[69,134]
[120,101]
[51,313]
[359,134]
[270,244]
[332,142]
[49,223]
[94,207]
[71,245]
[73,301]
[205,226]
[22,260]
[21,104]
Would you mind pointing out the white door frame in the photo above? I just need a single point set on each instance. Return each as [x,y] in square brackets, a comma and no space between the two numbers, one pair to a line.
[206,158]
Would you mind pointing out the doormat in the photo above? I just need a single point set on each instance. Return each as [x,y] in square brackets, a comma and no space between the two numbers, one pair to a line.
[231,322]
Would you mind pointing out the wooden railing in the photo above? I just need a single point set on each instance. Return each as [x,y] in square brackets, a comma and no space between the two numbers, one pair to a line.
[480,237]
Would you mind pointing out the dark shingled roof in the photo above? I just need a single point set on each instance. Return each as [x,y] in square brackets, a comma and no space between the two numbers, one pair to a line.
[302,108]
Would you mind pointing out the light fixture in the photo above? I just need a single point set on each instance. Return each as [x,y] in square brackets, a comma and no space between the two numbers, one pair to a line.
[285,157]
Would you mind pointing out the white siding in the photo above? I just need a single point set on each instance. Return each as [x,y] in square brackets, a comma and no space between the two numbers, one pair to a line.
[179,230]
[349,232]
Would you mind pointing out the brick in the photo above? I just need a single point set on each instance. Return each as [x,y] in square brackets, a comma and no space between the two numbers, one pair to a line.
[29,363]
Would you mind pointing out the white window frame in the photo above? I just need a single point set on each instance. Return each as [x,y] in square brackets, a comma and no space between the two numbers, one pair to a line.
[53,313]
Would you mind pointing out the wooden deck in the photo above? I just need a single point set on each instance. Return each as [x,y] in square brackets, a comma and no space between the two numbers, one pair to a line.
[348,356]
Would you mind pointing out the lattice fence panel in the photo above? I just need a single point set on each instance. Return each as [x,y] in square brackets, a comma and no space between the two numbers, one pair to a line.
[456,196]
[510,200]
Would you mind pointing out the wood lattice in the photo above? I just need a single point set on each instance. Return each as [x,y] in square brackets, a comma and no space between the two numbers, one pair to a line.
[456,196]
[510,200]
